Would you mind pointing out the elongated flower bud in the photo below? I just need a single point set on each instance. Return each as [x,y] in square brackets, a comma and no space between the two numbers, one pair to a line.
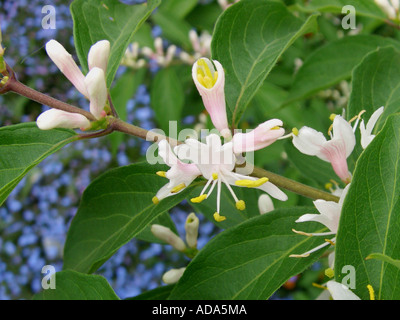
[99,54]
[265,204]
[64,61]
[55,118]
[192,230]
[172,276]
[210,82]
[95,82]
[166,234]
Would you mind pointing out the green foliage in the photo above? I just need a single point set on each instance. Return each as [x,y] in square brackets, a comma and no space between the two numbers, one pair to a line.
[371,216]
[107,20]
[22,147]
[71,285]
[250,260]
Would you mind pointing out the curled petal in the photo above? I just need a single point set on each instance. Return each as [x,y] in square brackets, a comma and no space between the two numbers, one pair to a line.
[64,61]
[339,291]
[55,118]
[366,132]
[342,131]
[99,54]
[261,137]
[95,82]
[309,141]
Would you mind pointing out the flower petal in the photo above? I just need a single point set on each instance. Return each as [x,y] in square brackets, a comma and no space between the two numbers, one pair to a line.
[98,55]
[309,141]
[64,61]
[55,118]
[95,82]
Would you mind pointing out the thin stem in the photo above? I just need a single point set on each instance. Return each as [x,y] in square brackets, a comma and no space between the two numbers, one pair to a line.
[294,186]
[15,86]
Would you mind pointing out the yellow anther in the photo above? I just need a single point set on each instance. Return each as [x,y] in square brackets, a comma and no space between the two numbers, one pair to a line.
[161,174]
[371,292]
[275,128]
[155,200]
[251,183]
[178,188]
[240,205]
[204,75]
[330,241]
[332,116]
[329,273]
[218,217]
[199,198]
[295,131]
[328,186]
[215,176]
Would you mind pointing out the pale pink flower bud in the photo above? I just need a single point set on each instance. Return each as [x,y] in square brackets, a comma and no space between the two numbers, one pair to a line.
[95,82]
[210,82]
[55,118]
[265,204]
[165,234]
[99,54]
[64,61]
[259,138]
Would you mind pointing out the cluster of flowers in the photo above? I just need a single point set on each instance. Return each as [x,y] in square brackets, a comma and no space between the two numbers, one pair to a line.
[390,7]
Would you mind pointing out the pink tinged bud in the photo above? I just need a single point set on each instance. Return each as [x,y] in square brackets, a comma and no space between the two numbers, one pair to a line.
[95,82]
[99,54]
[261,137]
[210,82]
[55,118]
[64,61]
[165,234]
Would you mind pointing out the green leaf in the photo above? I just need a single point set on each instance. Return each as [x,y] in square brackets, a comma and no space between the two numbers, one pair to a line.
[248,49]
[384,258]
[250,260]
[22,147]
[160,293]
[366,8]
[107,20]
[332,63]
[376,83]
[167,97]
[71,285]
[114,208]
[370,217]
[181,8]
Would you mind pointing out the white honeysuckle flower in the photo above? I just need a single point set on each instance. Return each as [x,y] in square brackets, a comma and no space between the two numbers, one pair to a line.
[259,138]
[216,163]
[209,78]
[162,58]
[165,234]
[339,291]
[98,55]
[131,59]
[329,216]
[265,204]
[172,276]
[93,86]
[95,82]
[335,151]
[366,132]
[180,174]
[192,230]
[391,8]
[55,118]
